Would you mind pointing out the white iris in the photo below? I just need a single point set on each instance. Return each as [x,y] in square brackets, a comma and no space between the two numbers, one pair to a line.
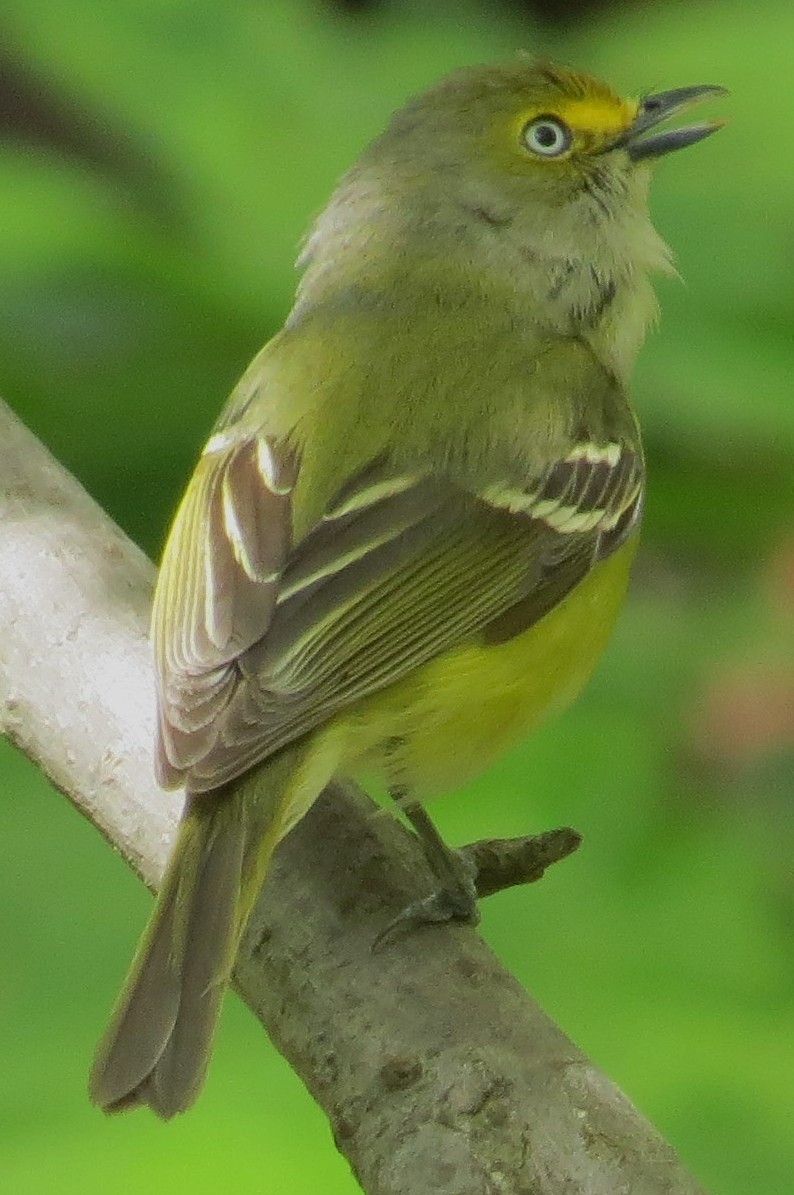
[547,136]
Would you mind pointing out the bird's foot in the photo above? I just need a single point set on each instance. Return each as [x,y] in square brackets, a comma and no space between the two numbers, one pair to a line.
[475,871]
[455,901]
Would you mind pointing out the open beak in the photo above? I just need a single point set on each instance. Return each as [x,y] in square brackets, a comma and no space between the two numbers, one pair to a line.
[654,109]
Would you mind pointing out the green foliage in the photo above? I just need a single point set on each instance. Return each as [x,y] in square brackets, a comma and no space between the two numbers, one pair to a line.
[132,291]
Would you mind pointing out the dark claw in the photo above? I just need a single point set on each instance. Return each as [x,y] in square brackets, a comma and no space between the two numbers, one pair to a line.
[447,904]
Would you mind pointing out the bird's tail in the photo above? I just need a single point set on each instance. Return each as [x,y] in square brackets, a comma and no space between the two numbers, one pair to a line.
[157,1046]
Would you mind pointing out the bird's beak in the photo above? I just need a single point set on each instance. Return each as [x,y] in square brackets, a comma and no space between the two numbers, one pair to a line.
[654,109]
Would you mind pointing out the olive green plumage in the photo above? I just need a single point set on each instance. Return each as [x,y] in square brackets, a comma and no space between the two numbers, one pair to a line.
[408,535]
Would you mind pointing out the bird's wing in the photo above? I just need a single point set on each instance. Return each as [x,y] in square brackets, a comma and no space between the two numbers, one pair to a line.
[259,640]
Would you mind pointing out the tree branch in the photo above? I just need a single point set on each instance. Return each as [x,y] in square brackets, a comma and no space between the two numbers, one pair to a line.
[437,1071]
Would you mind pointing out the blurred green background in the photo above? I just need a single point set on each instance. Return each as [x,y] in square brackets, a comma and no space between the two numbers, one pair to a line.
[159,162]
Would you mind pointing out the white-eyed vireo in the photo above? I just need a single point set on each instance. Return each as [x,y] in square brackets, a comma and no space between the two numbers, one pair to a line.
[409,533]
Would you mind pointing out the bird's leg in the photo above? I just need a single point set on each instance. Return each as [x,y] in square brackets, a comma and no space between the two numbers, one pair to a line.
[474,871]
[456,900]
[456,897]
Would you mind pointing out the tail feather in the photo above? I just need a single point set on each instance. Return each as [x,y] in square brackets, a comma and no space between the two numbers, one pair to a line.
[156,1049]
[143,1019]
[157,1046]
[209,951]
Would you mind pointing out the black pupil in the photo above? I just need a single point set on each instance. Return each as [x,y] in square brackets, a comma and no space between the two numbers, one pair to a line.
[546,135]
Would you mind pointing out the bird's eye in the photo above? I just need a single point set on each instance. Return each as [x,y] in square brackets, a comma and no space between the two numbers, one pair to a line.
[547,136]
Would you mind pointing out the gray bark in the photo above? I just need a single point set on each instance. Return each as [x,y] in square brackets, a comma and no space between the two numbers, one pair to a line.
[437,1071]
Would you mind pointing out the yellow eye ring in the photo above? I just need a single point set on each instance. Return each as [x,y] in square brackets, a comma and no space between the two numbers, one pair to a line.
[547,136]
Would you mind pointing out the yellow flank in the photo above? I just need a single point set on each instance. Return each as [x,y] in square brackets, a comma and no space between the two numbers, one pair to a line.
[446,722]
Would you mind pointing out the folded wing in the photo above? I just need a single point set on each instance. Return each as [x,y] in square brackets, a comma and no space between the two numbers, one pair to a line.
[259,640]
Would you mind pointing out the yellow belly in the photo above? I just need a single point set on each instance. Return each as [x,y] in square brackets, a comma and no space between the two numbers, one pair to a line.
[449,720]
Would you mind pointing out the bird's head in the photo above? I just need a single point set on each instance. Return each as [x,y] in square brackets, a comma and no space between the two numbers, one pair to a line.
[533,138]
[509,167]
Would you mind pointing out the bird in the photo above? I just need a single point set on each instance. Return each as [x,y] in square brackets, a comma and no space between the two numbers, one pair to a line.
[408,535]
